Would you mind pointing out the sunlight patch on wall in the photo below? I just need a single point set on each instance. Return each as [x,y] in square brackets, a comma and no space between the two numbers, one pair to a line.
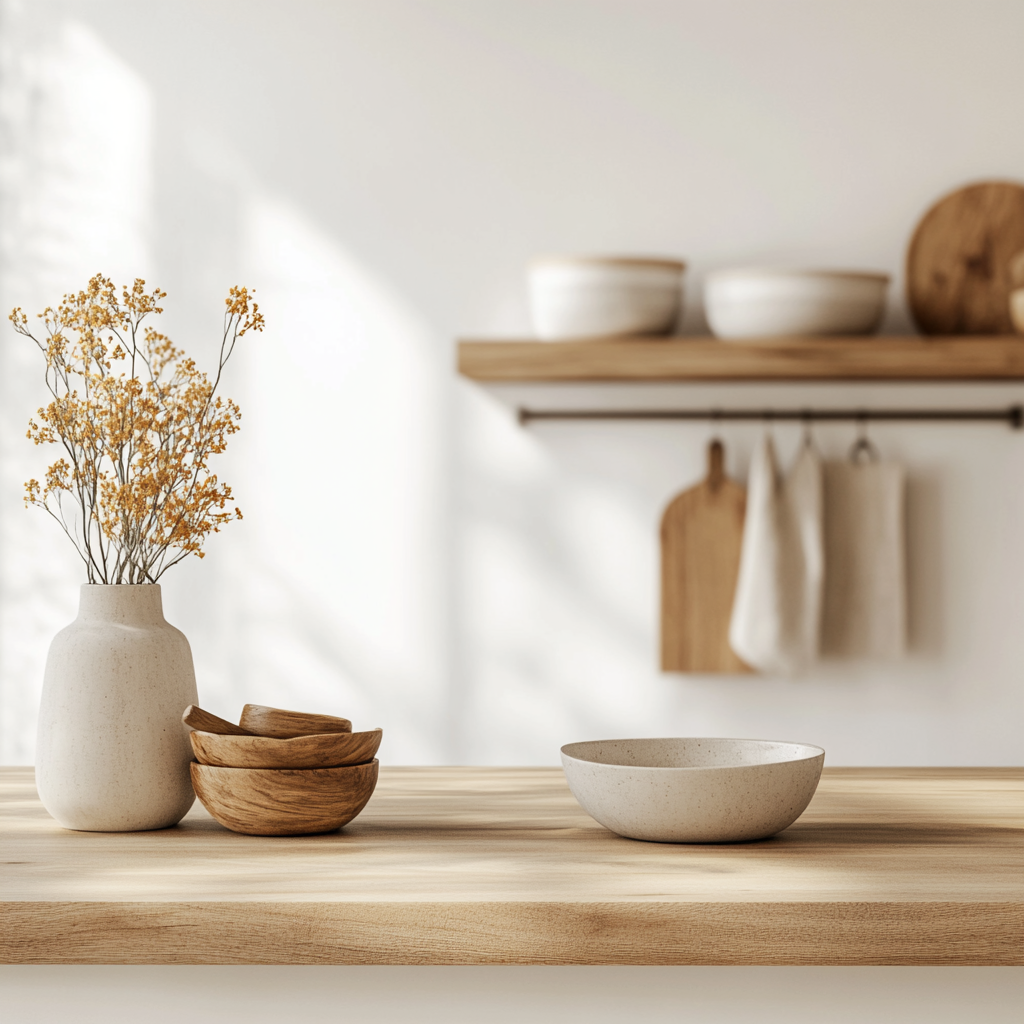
[558,589]
[342,486]
[86,175]
[75,194]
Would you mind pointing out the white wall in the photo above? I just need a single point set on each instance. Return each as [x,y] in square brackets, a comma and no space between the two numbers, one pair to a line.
[381,171]
[508,995]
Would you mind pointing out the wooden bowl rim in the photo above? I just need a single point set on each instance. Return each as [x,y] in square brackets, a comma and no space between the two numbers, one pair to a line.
[281,771]
[284,741]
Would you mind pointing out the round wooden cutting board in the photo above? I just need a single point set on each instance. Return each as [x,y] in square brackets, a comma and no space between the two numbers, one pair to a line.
[958,263]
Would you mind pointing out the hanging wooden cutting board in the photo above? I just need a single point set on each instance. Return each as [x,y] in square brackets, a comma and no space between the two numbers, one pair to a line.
[958,263]
[701,536]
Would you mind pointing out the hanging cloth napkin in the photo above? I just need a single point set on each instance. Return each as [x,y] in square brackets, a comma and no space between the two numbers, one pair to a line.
[865,608]
[776,613]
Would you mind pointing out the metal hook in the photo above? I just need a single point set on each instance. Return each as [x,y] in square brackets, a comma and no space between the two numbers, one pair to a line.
[862,448]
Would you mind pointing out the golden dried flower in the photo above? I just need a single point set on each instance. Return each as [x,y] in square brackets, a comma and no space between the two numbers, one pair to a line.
[138,422]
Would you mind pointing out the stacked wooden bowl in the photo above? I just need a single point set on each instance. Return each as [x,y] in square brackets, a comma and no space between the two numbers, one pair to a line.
[281,773]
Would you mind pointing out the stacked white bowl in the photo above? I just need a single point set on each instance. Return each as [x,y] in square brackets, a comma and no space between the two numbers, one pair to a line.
[574,297]
[773,303]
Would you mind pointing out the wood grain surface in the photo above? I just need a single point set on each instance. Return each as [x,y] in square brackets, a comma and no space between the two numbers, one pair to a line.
[701,538]
[705,359]
[490,865]
[284,802]
[264,721]
[323,750]
[959,260]
[196,718]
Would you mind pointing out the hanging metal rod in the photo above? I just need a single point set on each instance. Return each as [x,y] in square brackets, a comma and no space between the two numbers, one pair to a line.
[1013,415]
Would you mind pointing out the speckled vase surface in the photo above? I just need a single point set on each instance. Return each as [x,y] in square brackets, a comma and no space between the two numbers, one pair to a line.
[112,754]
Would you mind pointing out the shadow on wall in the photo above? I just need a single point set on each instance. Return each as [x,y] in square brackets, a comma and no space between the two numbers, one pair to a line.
[328,594]
[75,186]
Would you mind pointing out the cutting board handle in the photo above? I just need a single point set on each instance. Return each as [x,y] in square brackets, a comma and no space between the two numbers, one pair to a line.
[716,464]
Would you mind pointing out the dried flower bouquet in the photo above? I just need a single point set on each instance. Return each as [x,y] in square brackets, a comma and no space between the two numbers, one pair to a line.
[138,422]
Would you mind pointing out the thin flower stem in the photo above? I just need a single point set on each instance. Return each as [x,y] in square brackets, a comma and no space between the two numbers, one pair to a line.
[137,447]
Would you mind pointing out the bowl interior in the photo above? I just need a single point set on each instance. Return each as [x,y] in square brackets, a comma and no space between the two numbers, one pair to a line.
[689,752]
[323,750]
[281,724]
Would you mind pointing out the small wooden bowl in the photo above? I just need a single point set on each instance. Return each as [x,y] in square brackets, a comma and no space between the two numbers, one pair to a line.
[326,750]
[282,802]
[264,721]
[196,718]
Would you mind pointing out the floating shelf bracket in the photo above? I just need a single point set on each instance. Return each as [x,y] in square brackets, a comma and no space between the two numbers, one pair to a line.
[1012,416]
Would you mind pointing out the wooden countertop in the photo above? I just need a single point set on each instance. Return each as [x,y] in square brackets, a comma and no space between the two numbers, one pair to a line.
[500,865]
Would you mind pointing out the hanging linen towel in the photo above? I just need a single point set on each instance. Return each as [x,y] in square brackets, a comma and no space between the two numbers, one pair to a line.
[865,609]
[776,613]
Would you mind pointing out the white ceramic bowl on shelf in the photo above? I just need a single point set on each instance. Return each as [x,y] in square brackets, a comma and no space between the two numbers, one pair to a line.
[769,303]
[693,790]
[574,297]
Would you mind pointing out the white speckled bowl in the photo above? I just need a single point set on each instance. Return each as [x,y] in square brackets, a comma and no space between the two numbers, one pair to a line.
[596,297]
[693,790]
[774,303]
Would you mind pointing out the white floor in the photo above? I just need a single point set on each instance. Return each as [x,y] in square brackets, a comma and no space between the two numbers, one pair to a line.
[382,995]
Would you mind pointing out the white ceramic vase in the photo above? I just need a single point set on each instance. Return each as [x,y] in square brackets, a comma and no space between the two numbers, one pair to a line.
[112,754]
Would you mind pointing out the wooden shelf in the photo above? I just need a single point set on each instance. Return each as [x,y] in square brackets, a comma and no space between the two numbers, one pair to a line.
[997,358]
[502,866]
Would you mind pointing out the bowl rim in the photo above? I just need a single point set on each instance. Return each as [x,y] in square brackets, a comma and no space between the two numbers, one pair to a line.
[664,263]
[285,740]
[795,272]
[819,753]
[278,772]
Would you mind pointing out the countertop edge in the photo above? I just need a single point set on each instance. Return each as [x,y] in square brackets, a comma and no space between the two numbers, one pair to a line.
[449,933]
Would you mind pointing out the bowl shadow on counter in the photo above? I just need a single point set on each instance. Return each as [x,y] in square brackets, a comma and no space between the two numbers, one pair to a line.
[823,838]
